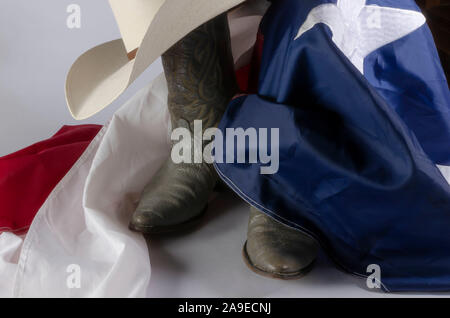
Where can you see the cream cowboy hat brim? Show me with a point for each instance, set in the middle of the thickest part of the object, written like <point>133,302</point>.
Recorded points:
<point>102,74</point>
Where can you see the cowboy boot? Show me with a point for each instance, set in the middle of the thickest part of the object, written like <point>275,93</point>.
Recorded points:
<point>276,250</point>
<point>201,82</point>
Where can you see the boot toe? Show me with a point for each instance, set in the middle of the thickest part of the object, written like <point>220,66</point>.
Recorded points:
<point>162,216</point>
<point>282,262</point>
<point>141,221</point>
<point>278,251</point>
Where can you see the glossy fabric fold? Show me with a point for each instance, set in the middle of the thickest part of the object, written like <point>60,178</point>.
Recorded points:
<point>352,167</point>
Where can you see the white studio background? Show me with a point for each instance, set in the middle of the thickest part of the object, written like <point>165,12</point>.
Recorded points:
<point>37,49</point>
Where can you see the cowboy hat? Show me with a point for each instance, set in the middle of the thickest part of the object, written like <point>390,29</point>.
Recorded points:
<point>148,28</point>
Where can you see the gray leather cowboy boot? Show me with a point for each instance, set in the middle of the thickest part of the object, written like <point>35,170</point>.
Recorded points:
<point>201,81</point>
<point>275,250</point>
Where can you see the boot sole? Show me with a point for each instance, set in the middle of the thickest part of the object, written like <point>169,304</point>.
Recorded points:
<point>171,228</point>
<point>280,276</point>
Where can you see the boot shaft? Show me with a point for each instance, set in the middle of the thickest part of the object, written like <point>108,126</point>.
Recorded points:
<point>200,74</point>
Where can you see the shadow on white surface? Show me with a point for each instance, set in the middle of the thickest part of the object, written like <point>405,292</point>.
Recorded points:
<point>206,262</point>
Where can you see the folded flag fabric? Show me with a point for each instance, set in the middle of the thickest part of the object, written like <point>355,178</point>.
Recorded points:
<point>79,244</point>
<point>359,98</point>
<point>28,176</point>
<point>82,227</point>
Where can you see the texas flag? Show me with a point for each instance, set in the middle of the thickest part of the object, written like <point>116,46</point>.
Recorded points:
<point>29,176</point>
<point>358,95</point>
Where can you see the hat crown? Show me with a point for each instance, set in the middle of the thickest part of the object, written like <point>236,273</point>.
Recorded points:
<point>133,18</point>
